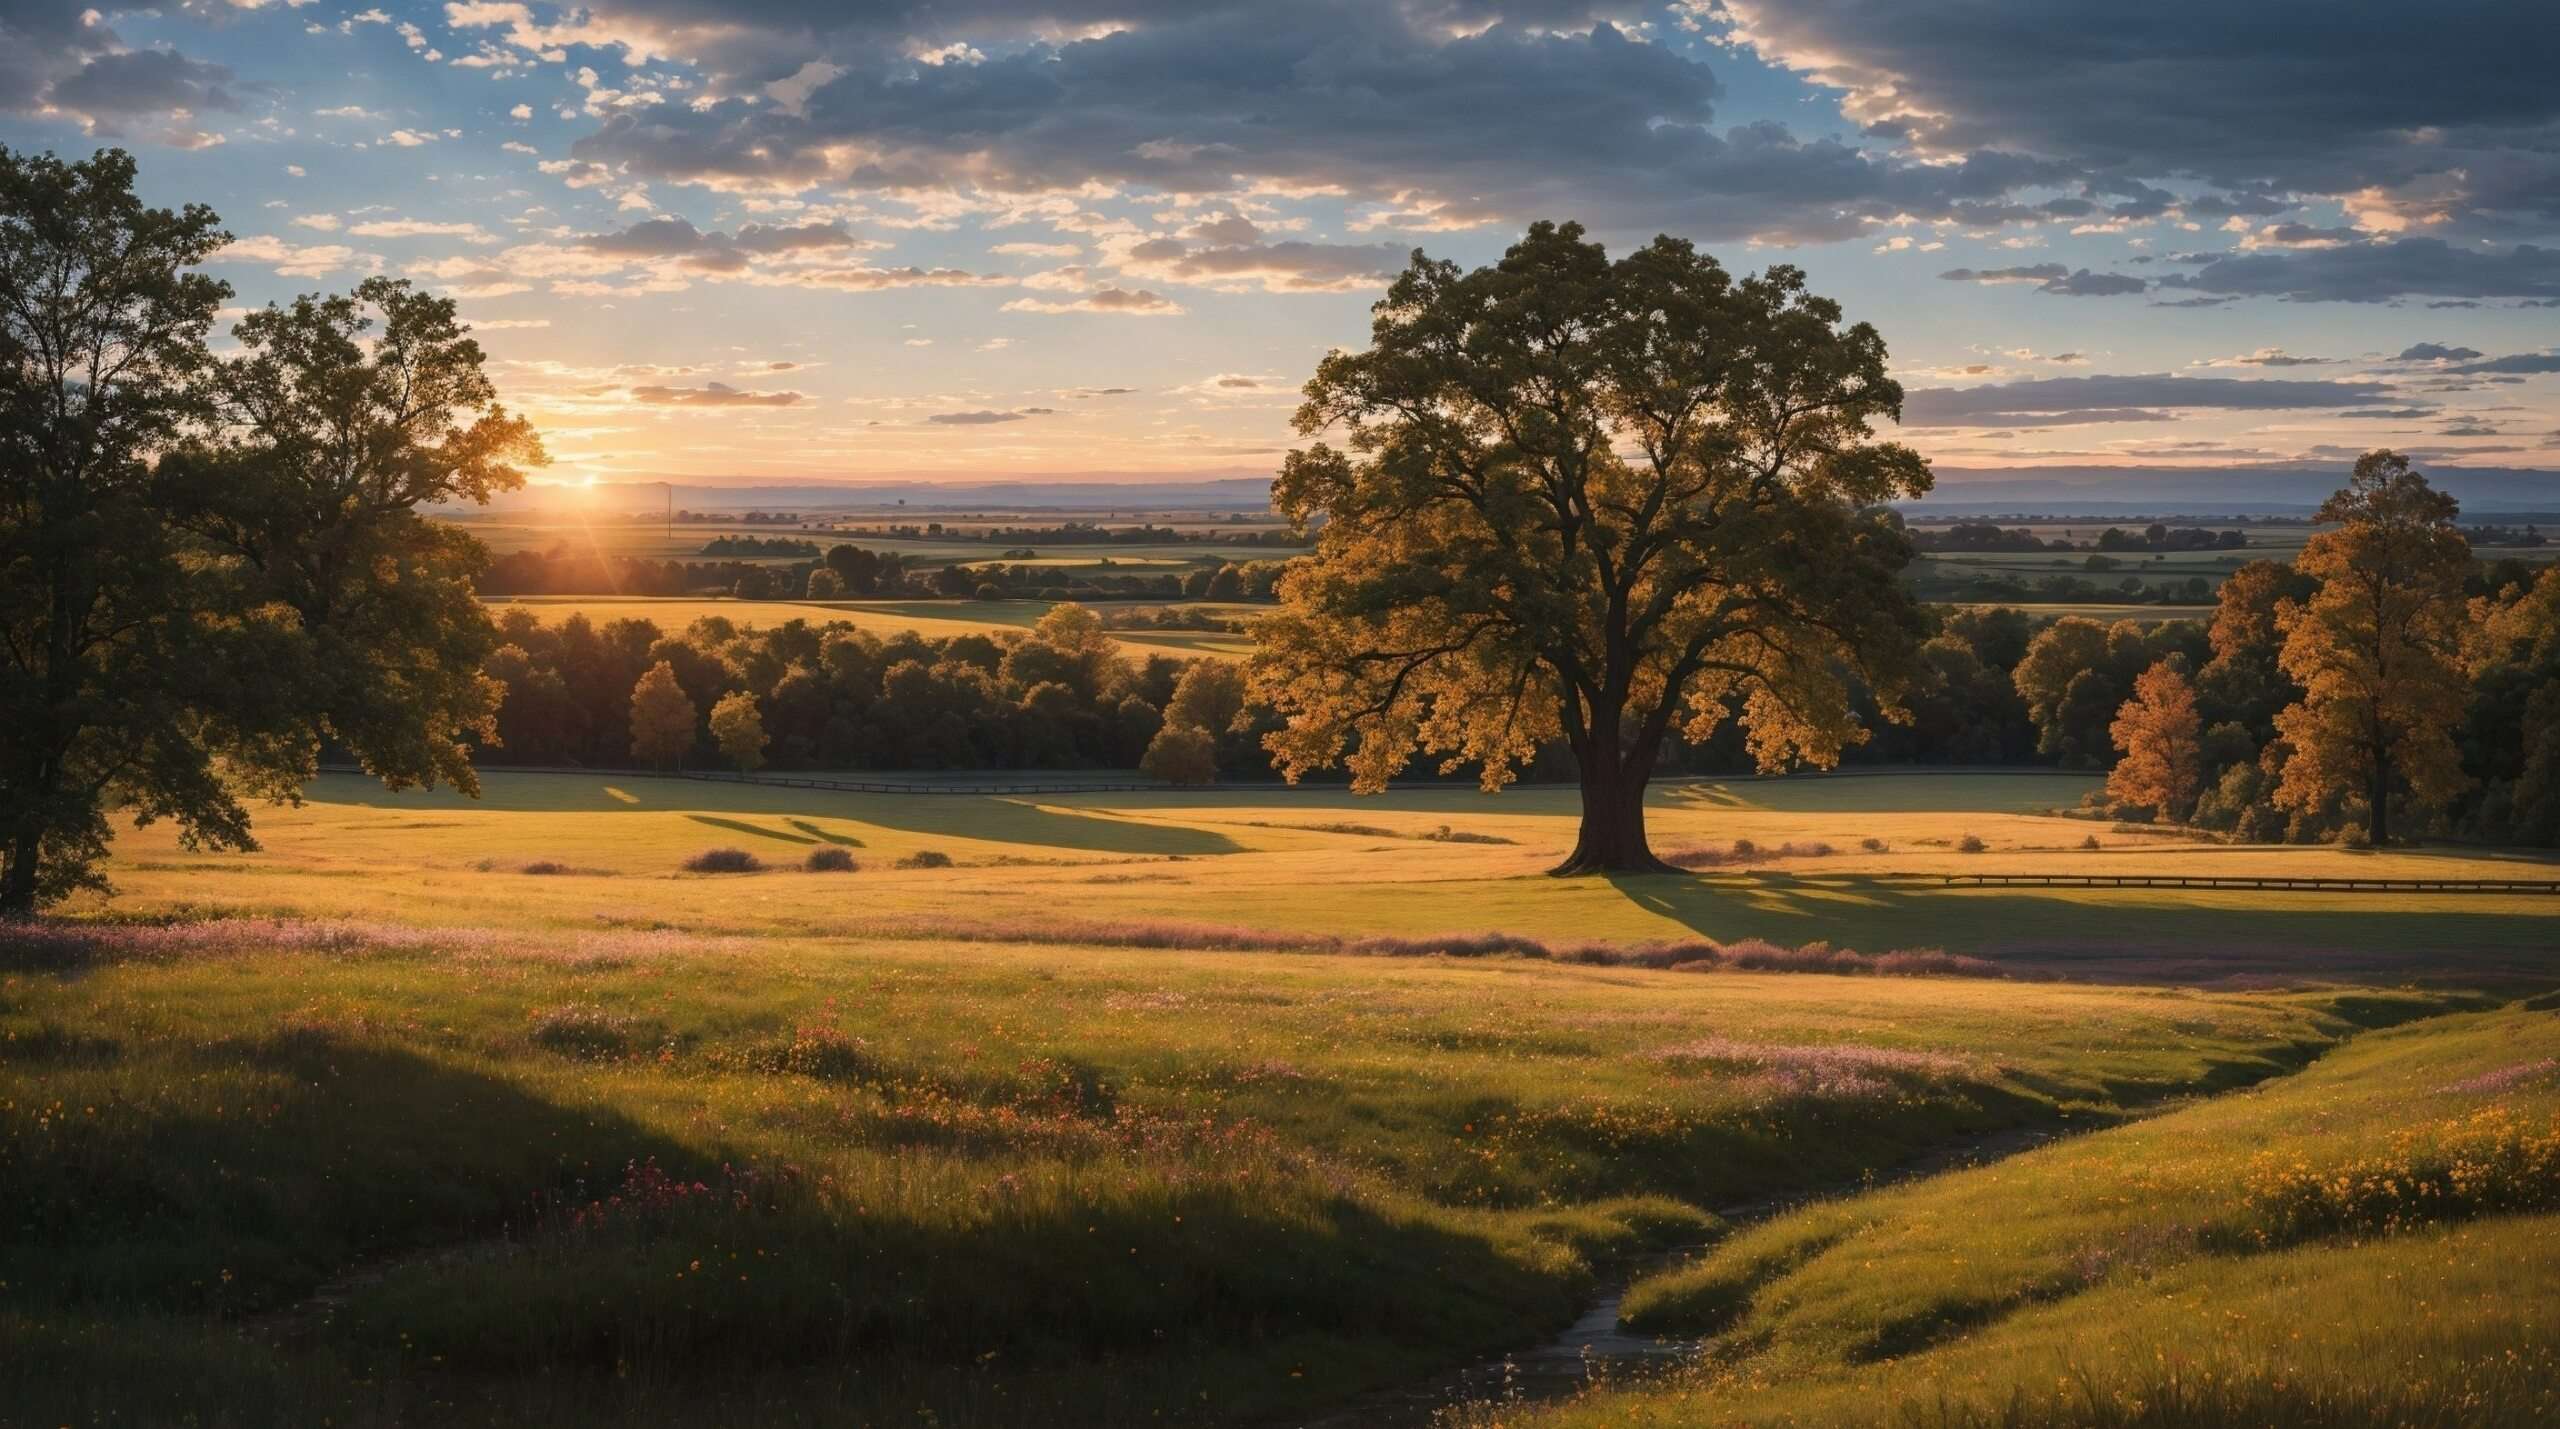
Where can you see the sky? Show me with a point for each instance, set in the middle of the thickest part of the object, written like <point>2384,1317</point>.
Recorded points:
<point>810,239</point>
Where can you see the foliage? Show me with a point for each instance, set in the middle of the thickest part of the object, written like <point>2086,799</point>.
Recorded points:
<point>1181,754</point>
<point>2377,649</point>
<point>739,731</point>
<point>1595,502</point>
<point>217,567</point>
<point>2163,763</point>
<point>724,860</point>
<point>662,716</point>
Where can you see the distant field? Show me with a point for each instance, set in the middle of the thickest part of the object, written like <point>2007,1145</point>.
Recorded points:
<point>935,620</point>
<point>1249,857</point>
<point>684,542</point>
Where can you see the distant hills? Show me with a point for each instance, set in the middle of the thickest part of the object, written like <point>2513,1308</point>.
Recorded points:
<point>2291,488</point>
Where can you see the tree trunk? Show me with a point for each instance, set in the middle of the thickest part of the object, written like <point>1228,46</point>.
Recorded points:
<point>18,890</point>
<point>1612,838</point>
<point>2378,819</point>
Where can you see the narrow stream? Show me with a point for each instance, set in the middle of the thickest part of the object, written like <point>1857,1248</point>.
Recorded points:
<point>1595,1347</point>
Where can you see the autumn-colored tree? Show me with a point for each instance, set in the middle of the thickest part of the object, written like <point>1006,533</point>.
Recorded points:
<point>2162,766</point>
<point>662,717</point>
<point>2242,682</point>
<point>1592,501</point>
<point>1210,696</point>
<point>2376,648</point>
<point>1181,754</point>
<point>737,726</point>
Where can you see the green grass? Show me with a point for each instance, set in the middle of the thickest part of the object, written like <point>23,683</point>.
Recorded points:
<point>1275,1179</point>
<point>2369,1242</point>
<point>373,1127</point>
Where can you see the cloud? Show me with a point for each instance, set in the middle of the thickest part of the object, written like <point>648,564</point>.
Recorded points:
<point>2375,272</point>
<point>2522,362</point>
<point>2271,357</point>
<point>1417,106</point>
<point>1231,251</point>
<point>2150,397</point>
<point>676,237</point>
<point>2053,278</point>
<point>983,419</point>
<point>1141,302</point>
<point>419,228</point>
<point>713,394</point>
<point>2267,107</point>
<point>59,57</point>
<point>295,261</point>
<point>2435,352</point>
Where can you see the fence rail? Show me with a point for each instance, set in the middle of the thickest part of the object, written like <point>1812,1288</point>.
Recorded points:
<point>2277,884</point>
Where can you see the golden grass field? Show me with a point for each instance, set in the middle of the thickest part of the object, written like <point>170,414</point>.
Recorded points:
<point>934,620</point>
<point>1212,1107</point>
<point>1251,857</point>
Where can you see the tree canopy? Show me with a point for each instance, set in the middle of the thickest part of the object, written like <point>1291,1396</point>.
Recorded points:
<point>2376,648</point>
<point>212,569</point>
<point>1596,501</point>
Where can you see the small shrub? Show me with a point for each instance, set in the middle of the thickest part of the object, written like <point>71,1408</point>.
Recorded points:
<point>829,860</point>
<point>926,858</point>
<point>1873,845</point>
<point>723,860</point>
<point>2353,836</point>
<point>1744,849</point>
<point>1970,844</point>
<point>582,1029</point>
<point>2091,843</point>
<point>1447,835</point>
<point>544,866</point>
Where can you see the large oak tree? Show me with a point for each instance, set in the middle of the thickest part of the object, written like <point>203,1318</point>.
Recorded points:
<point>1596,501</point>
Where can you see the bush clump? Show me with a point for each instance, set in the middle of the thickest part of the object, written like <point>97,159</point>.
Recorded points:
<point>1873,845</point>
<point>829,860</point>
<point>723,860</point>
<point>1970,844</point>
<point>926,858</point>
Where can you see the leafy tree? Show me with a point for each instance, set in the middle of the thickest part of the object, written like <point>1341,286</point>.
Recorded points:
<point>113,680</point>
<point>2046,676</point>
<point>824,584</point>
<point>342,417</point>
<point>2375,648</point>
<point>738,728</point>
<point>2162,766</point>
<point>1181,754</point>
<point>2242,681</point>
<point>662,717</point>
<point>1596,501</point>
<point>1210,696</point>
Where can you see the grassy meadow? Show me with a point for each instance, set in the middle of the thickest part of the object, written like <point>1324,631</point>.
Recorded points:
<point>1232,1106</point>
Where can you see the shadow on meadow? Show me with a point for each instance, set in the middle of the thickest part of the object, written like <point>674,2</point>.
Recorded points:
<point>986,818</point>
<point>2177,937</point>
<point>271,1165</point>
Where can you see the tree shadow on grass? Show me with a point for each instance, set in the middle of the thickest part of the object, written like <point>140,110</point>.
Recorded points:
<point>2146,936</point>
<point>825,835</point>
<point>365,1153</point>
<point>742,826</point>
